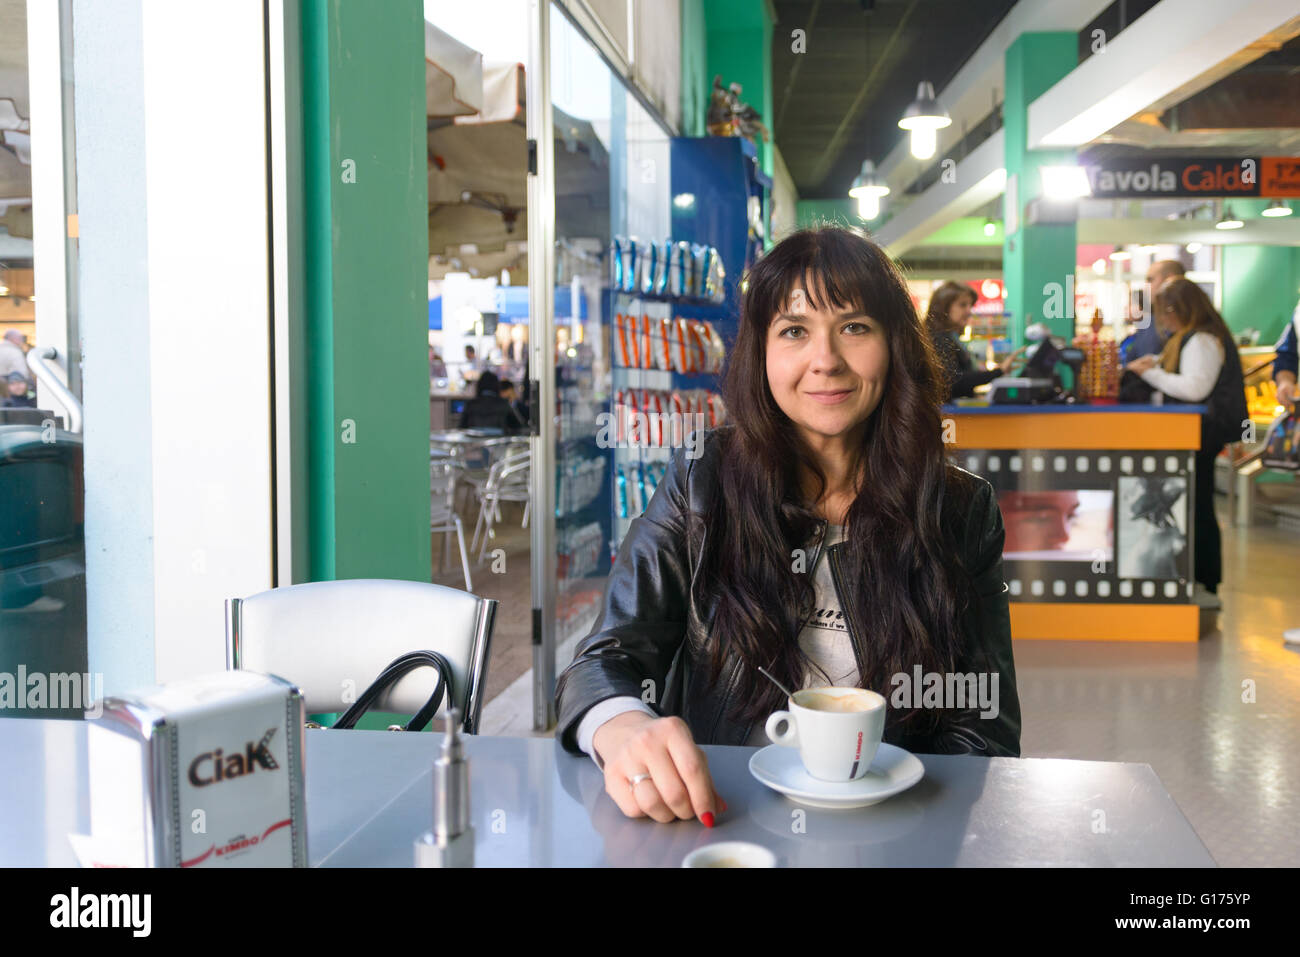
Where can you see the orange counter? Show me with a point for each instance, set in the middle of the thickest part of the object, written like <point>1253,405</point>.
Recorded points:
<point>1097,505</point>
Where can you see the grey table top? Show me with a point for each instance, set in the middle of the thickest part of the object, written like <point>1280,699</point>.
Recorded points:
<point>369,795</point>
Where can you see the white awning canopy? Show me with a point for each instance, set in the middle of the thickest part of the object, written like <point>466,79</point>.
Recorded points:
<point>459,85</point>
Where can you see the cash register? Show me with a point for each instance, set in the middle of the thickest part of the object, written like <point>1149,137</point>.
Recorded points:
<point>1038,382</point>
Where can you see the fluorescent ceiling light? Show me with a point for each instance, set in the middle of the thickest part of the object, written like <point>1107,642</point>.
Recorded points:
<point>1065,182</point>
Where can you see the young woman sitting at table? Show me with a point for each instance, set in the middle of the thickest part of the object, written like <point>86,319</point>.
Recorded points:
<point>822,536</point>
<point>1199,364</point>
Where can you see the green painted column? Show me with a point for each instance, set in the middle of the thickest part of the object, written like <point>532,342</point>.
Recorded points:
<point>1034,257</point>
<point>366,281</point>
<point>739,48</point>
<point>696,78</point>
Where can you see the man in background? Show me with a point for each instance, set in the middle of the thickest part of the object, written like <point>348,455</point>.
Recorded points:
<point>15,395</point>
<point>13,355</point>
<point>1148,340</point>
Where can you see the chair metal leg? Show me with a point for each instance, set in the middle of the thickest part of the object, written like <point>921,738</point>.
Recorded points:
<point>464,559</point>
<point>482,509</point>
<point>487,528</point>
<point>527,505</point>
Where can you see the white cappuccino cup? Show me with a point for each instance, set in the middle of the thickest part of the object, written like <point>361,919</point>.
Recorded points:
<point>837,730</point>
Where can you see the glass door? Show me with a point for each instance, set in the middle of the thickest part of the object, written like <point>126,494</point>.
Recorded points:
<point>42,542</point>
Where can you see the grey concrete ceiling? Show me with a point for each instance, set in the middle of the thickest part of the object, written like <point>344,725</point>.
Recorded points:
<point>839,102</point>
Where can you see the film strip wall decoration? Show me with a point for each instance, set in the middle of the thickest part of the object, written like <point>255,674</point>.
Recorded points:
<point>1085,525</point>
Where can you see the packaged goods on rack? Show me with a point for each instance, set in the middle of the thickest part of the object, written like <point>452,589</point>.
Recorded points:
<point>637,482</point>
<point>668,269</point>
<point>579,551</point>
<point>671,344</point>
<point>579,484</point>
<point>654,418</point>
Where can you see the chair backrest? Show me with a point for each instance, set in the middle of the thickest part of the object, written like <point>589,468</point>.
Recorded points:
<point>332,639</point>
<point>511,470</point>
<point>442,488</point>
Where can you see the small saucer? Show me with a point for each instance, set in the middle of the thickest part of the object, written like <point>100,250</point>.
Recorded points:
<point>893,770</point>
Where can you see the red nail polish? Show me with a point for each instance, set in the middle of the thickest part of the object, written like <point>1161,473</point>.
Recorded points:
<point>707,818</point>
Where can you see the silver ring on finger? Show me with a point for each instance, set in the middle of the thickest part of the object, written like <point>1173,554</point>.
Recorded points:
<point>636,779</point>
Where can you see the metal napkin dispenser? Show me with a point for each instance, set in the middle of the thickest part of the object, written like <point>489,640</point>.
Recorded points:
<point>206,772</point>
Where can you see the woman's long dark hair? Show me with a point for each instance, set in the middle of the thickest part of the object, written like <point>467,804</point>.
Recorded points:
<point>904,587</point>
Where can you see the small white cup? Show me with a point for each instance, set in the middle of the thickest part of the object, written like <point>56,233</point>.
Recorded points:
<point>833,745</point>
<point>730,854</point>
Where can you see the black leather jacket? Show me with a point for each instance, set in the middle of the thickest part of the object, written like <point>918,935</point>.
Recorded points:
<point>651,629</point>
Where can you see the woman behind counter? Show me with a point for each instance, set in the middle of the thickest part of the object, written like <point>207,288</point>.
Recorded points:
<point>949,312</point>
<point>1199,364</point>
<point>822,535</point>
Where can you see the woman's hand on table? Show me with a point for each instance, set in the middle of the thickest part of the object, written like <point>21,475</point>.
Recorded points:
<point>679,785</point>
<point>1141,364</point>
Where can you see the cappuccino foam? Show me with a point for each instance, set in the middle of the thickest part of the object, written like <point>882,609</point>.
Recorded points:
<point>819,701</point>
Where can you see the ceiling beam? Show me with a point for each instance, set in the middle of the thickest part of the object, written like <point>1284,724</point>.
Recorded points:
<point>1162,51</point>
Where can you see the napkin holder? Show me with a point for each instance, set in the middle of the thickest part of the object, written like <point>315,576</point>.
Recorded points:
<point>206,772</point>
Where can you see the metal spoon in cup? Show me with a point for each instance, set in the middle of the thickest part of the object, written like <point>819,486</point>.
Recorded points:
<point>775,682</point>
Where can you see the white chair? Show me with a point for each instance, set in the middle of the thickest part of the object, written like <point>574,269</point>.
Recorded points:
<point>332,639</point>
<point>443,519</point>
<point>508,482</point>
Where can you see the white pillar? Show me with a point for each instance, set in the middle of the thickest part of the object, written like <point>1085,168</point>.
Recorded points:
<point>176,328</point>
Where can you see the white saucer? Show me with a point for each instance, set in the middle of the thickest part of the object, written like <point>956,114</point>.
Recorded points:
<point>893,770</point>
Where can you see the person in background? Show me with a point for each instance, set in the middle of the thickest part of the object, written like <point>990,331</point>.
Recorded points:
<point>15,393</point>
<point>13,355</point>
<point>437,368</point>
<point>1285,368</point>
<point>1148,338</point>
<point>1199,363</point>
<point>519,415</point>
<point>949,313</point>
<point>489,409</point>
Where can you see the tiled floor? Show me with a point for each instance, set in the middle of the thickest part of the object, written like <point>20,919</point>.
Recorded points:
<point>1219,720</point>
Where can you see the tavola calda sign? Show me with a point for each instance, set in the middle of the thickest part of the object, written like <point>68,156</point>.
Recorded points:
<point>1265,177</point>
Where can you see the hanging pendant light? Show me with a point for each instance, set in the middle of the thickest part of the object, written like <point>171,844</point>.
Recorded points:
<point>1276,208</point>
<point>867,190</point>
<point>1228,221</point>
<point>924,117</point>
